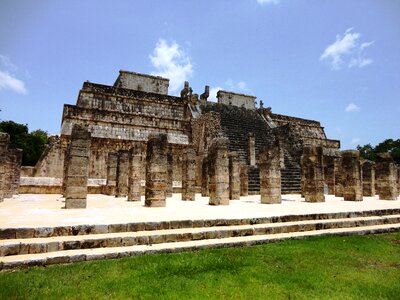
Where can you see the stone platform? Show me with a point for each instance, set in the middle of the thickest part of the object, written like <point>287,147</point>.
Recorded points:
<point>36,230</point>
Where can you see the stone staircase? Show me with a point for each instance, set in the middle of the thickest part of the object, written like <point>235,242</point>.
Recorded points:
<point>236,124</point>
<point>26,247</point>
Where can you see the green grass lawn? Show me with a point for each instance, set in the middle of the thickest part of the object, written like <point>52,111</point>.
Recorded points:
<point>356,267</point>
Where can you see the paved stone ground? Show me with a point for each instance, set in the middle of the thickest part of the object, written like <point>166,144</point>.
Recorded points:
<point>35,210</point>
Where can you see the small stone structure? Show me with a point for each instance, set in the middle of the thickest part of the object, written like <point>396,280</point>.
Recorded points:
<point>205,191</point>
<point>76,169</point>
<point>240,100</point>
<point>218,170</point>
<point>368,177</point>
<point>122,173</point>
<point>234,176</point>
<point>156,171</point>
<point>135,171</point>
<point>313,174</point>
<point>386,177</point>
<point>351,175</point>
<point>112,163</point>
<point>189,174</point>
<point>244,179</point>
<point>270,175</point>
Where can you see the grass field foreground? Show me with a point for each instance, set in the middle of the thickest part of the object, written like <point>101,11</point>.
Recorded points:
<point>351,267</point>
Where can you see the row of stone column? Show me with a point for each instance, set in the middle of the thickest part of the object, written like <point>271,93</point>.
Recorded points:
<point>10,167</point>
<point>347,176</point>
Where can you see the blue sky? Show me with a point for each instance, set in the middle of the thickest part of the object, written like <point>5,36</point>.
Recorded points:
<point>337,62</point>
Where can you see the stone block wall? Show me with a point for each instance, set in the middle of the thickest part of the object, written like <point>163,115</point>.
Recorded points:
<point>76,168</point>
<point>352,175</point>
<point>239,100</point>
<point>218,171</point>
<point>386,177</point>
<point>156,171</point>
<point>142,82</point>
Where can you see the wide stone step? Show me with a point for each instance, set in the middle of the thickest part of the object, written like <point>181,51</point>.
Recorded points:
<point>122,239</point>
<point>70,256</point>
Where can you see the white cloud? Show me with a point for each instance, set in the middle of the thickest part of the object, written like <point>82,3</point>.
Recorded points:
<point>6,62</point>
<point>213,93</point>
<point>239,85</point>
<point>9,82</point>
<point>352,108</point>
<point>355,141</point>
<point>262,2</point>
<point>171,61</point>
<point>347,49</point>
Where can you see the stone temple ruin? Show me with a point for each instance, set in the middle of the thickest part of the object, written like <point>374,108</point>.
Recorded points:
<point>133,139</point>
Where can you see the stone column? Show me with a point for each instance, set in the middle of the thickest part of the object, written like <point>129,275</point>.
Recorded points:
<point>244,179</point>
<point>398,179</point>
<point>368,178</point>
<point>189,174</point>
<point>122,173</point>
<point>4,141</point>
<point>135,171</point>
<point>112,163</point>
<point>270,175</point>
<point>329,173</point>
<point>78,167</point>
<point>386,177</point>
<point>351,175</point>
<point>312,172</point>
<point>234,176</point>
<point>170,171</point>
<point>252,149</point>
<point>204,178</point>
<point>218,170</point>
<point>17,171</point>
<point>338,177</point>
<point>156,171</point>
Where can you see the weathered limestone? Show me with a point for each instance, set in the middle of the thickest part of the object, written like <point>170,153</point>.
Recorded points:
<point>252,149</point>
<point>76,171</point>
<point>122,173</point>
<point>270,175</point>
<point>351,175</point>
<point>135,171</point>
<point>170,171</point>
<point>234,176</point>
<point>4,140</point>
<point>244,179</point>
<point>189,174</point>
<point>205,192</point>
<point>312,171</point>
<point>386,177</point>
<point>112,163</point>
<point>329,173</point>
<point>218,170</point>
<point>156,171</point>
<point>368,178</point>
<point>13,160</point>
<point>338,177</point>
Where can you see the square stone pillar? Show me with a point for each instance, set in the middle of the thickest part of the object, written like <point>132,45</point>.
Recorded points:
<point>205,192</point>
<point>351,175</point>
<point>244,179</point>
<point>4,141</point>
<point>189,174</point>
<point>270,175</point>
<point>135,171</point>
<point>368,178</point>
<point>170,171</point>
<point>122,173</point>
<point>13,170</point>
<point>77,170</point>
<point>252,149</point>
<point>386,177</point>
<point>111,184</point>
<point>16,171</point>
<point>329,173</point>
<point>156,171</point>
<point>338,177</point>
<point>312,172</point>
<point>234,176</point>
<point>218,170</point>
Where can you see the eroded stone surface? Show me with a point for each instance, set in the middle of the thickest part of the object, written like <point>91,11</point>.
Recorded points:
<point>234,176</point>
<point>135,171</point>
<point>270,175</point>
<point>386,177</point>
<point>351,175</point>
<point>218,170</point>
<point>368,176</point>
<point>313,174</point>
<point>189,174</point>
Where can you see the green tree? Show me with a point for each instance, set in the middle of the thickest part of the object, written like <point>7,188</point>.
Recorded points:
<point>32,144</point>
<point>388,145</point>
